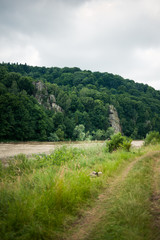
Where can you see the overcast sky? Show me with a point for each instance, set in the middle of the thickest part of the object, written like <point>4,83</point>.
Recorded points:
<point>116,36</point>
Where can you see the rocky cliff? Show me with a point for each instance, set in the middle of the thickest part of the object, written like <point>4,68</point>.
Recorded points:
<point>44,98</point>
<point>114,119</point>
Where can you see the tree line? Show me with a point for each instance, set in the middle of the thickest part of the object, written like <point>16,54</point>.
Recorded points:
<point>84,98</point>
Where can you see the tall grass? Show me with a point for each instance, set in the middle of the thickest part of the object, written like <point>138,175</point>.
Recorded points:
<point>128,214</point>
<point>40,196</point>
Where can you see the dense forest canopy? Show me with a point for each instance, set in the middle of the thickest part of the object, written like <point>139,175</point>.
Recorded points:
<point>40,103</point>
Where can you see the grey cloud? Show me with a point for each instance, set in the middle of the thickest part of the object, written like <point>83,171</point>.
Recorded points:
<point>119,36</point>
<point>32,17</point>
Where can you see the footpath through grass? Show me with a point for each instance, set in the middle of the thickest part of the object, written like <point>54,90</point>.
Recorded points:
<point>41,196</point>
<point>129,209</point>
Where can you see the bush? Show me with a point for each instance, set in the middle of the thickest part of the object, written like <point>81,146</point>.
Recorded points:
<point>58,157</point>
<point>152,138</point>
<point>118,141</point>
<point>53,137</point>
<point>109,132</point>
<point>79,132</point>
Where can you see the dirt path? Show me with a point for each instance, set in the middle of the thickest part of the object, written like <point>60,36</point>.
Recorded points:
<point>156,200</point>
<point>86,224</point>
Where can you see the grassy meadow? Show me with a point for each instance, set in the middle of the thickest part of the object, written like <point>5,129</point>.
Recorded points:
<point>41,196</point>
<point>129,214</point>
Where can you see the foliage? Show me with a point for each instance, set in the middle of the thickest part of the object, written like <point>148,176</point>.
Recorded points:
<point>128,214</point>
<point>99,134</point>
<point>27,112</point>
<point>42,194</point>
<point>109,132</point>
<point>79,133</point>
<point>118,141</point>
<point>152,138</point>
<point>53,137</point>
<point>59,157</point>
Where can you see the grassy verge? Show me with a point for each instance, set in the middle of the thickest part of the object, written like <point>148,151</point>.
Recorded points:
<point>128,214</point>
<point>40,196</point>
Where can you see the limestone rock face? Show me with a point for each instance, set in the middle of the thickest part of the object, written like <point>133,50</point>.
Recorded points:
<point>52,99</point>
<point>46,99</point>
<point>41,92</point>
<point>56,107</point>
<point>114,119</point>
<point>39,85</point>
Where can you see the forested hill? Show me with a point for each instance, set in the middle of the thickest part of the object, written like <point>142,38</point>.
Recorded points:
<point>38,103</point>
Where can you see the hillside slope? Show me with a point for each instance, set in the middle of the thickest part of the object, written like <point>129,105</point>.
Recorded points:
<point>38,103</point>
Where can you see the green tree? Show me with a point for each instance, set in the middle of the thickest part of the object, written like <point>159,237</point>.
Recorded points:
<point>79,132</point>
<point>152,138</point>
<point>60,134</point>
<point>109,132</point>
<point>53,137</point>
<point>99,134</point>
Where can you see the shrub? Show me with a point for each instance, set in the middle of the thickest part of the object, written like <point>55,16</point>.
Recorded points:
<point>109,132</point>
<point>118,141</point>
<point>53,137</point>
<point>79,132</point>
<point>59,157</point>
<point>152,138</point>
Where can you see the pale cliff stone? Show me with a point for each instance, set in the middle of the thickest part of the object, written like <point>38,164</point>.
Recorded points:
<point>114,119</point>
<point>56,107</point>
<point>39,85</point>
<point>52,98</point>
<point>43,98</point>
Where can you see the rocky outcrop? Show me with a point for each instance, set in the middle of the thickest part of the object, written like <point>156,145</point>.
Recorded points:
<point>44,98</point>
<point>56,107</point>
<point>39,85</point>
<point>52,99</point>
<point>114,119</point>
